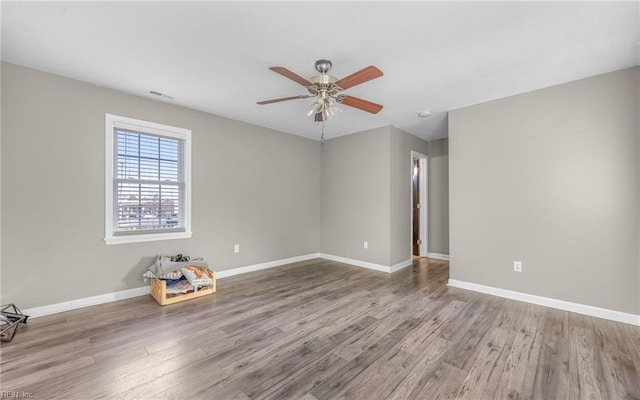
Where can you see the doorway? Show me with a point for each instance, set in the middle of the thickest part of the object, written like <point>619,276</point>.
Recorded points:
<point>419,205</point>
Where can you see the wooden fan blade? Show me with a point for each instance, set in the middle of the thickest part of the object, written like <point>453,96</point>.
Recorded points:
<point>302,96</point>
<point>360,104</point>
<point>362,76</point>
<point>291,75</point>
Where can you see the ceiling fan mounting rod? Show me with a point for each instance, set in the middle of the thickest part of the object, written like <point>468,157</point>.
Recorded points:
<point>323,66</point>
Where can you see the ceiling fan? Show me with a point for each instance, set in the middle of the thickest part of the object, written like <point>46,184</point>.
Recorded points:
<point>327,90</point>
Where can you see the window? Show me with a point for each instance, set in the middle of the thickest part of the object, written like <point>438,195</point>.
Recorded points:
<point>148,183</point>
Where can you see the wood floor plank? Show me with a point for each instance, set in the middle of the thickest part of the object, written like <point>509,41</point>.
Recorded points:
<point>56,353</point>
<point>321,330</point>
<point>431,327</point>
<point>380,378</point>
<point>419,374</point>
<point>585,382</point>
<point>506,393</point>
<point>442,384</point>
<point>553,375</point>
<point>618,370</point>
<point>483,376</point>
<point>336,383</point>
<point>468,335</point>
<point>264,374</point>
<point>355,345</point>
<point>27,382</point>
<point>520,369</point>
<point>301,381</point>
<point>116,381</point>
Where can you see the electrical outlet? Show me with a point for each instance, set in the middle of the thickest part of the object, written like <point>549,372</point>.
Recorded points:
<point>236,248</point>
<point>366,244</point>
<point>517,266</point>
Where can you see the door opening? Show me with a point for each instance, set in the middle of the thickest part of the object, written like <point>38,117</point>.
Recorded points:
<point>419,205</point>
<point>415,241</point>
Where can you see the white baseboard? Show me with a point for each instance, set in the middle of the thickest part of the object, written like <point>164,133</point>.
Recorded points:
<point>401,265</point>
<point>438,256</point>
<point>368,265</point>
<point>591,311</point>
<point>357,263</point>
<point>85,302</point>
<point>141,291</point>
<point>257,267</point>
<point>144,290</point>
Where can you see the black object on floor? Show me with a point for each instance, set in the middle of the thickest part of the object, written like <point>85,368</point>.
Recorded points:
<point>11,318</point>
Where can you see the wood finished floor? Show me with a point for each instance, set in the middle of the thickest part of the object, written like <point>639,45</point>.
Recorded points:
<point>320,330</point>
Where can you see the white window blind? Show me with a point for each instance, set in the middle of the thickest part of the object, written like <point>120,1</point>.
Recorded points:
<point>147,181</point>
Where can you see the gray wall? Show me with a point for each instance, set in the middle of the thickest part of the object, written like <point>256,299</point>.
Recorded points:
<point>551,178</point>
<point>355,196</point>
<point>245,191</point>
<point>402,144</point>
<point>1,298</point>
<point>439,196</point>
<point>366,195</point>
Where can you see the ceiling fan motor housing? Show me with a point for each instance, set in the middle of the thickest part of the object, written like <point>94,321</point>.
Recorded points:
<point>324,83</point>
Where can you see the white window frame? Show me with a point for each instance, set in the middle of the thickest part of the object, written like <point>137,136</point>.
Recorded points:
<point>113,121</point>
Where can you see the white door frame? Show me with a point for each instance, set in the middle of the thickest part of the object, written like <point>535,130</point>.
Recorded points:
<point>424,203</point>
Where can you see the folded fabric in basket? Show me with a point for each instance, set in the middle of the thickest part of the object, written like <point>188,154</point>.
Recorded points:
<point>164,268</point>
<point>197,276</point>
<point>165,265</point>
<point>179,286</point>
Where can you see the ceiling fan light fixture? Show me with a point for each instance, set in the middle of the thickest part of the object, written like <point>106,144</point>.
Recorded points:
<point>323,109</point>
<point>314,108</point>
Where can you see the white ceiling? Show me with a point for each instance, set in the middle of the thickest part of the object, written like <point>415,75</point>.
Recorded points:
<point>214,56</point>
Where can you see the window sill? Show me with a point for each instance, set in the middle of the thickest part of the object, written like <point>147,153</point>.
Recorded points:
<point>147,238</point>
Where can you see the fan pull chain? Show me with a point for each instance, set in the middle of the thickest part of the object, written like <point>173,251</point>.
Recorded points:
<point>322,136</point>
